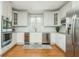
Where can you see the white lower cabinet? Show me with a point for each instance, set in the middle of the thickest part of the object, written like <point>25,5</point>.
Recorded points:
<point>14,37</point>
<point>52,38</point>
<point>55,38</point>
<point>35,38</point>
<point>20,38</point>
<point>59,40</point>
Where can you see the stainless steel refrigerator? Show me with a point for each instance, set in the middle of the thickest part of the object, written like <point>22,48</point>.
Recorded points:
<point>72,33</point>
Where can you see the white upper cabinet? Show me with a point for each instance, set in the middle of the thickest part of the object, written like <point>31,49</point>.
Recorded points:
<point>15,18</point>
<point>7,10</point>
<point>20,18</point>
<point>48,18</point>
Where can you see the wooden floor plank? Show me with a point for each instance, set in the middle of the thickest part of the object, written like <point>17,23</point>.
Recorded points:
<point>19,51</point>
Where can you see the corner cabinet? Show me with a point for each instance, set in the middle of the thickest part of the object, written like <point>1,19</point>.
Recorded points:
<point>50,18</point>
<point>20,18</point>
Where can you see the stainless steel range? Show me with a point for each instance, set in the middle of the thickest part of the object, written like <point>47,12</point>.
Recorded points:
<point>6,39</point>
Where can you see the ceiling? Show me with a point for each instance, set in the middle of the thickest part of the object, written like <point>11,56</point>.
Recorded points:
<point>38,6</point>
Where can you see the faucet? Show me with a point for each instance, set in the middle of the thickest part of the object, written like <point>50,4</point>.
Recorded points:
<point>35,29</point>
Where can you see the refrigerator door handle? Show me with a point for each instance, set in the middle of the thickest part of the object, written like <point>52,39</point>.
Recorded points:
<point>73,31</point>
<point>75,34</point>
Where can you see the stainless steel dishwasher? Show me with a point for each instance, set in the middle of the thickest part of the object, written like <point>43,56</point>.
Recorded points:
<point>46,38</point>
<point>26,40</point>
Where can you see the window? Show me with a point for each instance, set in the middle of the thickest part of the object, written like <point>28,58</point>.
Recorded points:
<point>36,22</point>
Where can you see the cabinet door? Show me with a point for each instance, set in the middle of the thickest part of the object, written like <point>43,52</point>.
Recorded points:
<point>61,41</point>
<point>20,38</point>
<point>14,37</point>
<point>35,38</point>
<point>55,18</point>
<point>48,18</point>
<point>15,18</point>
<point>52,38</point>
<point>22,18</point>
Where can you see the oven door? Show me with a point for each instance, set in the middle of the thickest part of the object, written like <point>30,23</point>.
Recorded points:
<point>6,39</point>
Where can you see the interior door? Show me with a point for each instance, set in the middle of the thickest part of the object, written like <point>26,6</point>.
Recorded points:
<point>77,37</point>
<point>69,39</point>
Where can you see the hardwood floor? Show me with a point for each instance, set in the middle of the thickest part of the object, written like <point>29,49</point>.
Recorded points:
<point>19,51</point>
